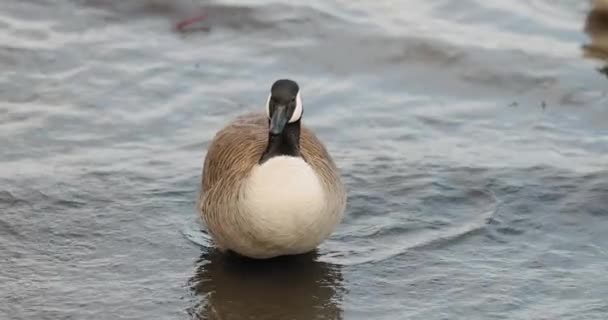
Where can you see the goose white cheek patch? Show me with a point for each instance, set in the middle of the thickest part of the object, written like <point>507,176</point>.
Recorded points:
<point>268,106</point>
<point>297,113</point>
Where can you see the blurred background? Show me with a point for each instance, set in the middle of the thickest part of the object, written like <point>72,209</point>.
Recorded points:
<point>472,136</point>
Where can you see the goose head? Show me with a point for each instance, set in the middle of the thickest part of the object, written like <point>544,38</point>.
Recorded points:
<point>284,110</point>
<point>284,105</point>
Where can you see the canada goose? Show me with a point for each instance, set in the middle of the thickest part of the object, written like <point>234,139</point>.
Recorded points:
<point>269,186</point>
<point>596,26</point>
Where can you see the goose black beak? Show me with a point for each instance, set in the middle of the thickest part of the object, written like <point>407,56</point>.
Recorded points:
<point>279,120</point>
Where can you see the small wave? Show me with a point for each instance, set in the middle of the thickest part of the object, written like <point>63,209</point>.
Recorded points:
<point>7,199</point>
<point>196,233</point>
<point>336,251</point>
<point>235,17</point>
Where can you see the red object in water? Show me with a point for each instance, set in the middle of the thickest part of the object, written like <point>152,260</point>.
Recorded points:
<point>188,22</point>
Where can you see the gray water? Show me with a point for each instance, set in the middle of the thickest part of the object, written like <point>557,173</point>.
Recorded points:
<point>472,136</point>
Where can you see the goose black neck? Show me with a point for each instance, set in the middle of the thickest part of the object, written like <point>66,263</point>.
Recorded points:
<point>285,144</point>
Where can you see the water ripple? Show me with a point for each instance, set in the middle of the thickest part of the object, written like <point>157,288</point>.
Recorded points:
<point>471,135</point>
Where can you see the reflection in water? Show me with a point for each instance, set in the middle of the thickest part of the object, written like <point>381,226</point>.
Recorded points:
<point>231,287</point>
<point>596,26</point>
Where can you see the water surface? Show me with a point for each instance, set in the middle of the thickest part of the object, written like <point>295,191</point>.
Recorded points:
<point>472,136</point>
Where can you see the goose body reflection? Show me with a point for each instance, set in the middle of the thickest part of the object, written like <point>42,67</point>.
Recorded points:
<point>299,288</point>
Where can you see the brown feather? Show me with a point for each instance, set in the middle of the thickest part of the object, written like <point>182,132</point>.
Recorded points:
<point>596,22</point>
<point>596,26</point>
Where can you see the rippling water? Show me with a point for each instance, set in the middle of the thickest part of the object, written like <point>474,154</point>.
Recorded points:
<point>472,135</point>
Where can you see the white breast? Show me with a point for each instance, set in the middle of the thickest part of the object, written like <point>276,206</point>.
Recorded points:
<point>285,205</point>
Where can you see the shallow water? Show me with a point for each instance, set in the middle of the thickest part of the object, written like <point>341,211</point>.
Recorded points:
<point>472,136</point>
